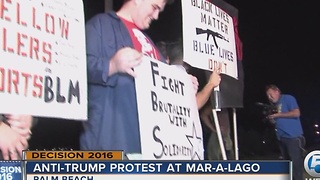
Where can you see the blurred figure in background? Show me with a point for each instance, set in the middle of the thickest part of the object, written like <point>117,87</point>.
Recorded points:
<point>213,150</point>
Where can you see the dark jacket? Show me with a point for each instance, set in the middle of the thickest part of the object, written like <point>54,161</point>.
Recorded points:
<point>112,107</point>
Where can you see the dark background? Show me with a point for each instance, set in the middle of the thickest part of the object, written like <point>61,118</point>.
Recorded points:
<point>280,46</point>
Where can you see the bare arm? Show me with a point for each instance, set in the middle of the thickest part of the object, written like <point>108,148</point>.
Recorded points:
<point>204,94</point>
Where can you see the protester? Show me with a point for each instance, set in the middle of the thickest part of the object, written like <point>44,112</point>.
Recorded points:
<point>288,128</point>
<point>174,53</point>
<point>115,43</point>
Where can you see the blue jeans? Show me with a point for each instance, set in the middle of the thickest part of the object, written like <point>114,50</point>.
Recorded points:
<point>292,149</point>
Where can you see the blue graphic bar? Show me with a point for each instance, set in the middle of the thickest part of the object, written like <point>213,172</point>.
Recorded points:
<point>10,170</point>
<point>158,167</point>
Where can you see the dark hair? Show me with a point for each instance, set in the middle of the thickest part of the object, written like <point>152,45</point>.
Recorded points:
<point>162,46</point>
<point>172,50</point>
<point>175,52</point>
<point>273,87</point>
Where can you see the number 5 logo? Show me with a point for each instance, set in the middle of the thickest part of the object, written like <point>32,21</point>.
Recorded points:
<point>312,163</point>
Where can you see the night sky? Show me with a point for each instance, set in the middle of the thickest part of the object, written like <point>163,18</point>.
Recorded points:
<point>280,46</point>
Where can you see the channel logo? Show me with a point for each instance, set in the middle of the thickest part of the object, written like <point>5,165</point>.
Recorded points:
<point>312,163</point>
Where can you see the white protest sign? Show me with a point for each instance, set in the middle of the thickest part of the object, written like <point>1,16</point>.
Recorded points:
<point>43,58</point>
<point>170,128</point>
<point>208,37</point>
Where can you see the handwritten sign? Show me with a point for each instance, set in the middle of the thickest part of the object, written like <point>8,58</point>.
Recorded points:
<point>170,128</point>
<point>208,37</point>
<point>43,59</point>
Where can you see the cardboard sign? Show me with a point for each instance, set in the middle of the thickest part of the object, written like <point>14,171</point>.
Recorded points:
<point>208,37</point>
<point>170,127</point>
<point>43,58</point>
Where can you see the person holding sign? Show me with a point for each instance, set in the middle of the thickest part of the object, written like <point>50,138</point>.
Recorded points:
<point>174,53</point>
<point>115,44</point>
<point>15,131</point>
